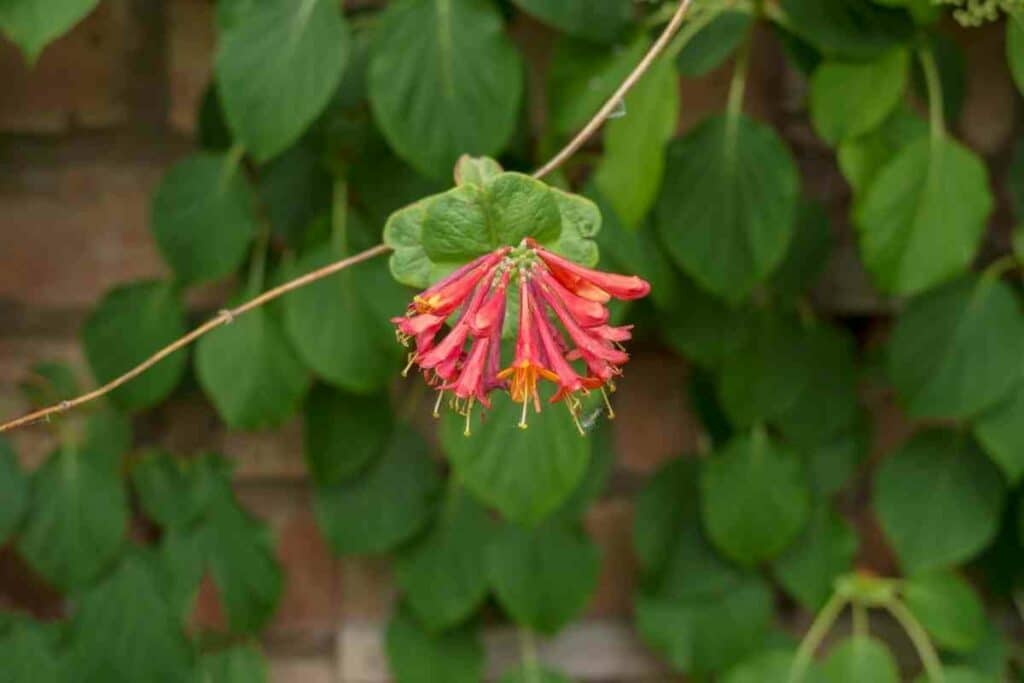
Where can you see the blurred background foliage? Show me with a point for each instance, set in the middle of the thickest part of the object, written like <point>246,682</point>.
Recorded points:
<point>319,124</point>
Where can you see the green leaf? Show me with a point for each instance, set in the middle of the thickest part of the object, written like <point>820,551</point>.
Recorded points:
<point>240,553</point>
<point>32,24</point>
<point>708,634</point>
<point>861,159</point>
<point>861,658</point>
<point>921,220</point>
<point>339,325</point>
<point>764,378</point>
<point>526,474</point>
<point>359,516</point>
<point>714,43</point>
<point>277,67</point>
<point>771,666</point>
<point>238,664</point>
<point>416,656</point>
<point>960,674</point>
<point>444,574</point>
<point>630,173</point>
<point>832,464</point>
<point>49,383</point>
<point>444,81</point>
<point>598,20</point>
<point>344,433</point>
<point>76,519</point>
<point>131,323</point>
<point>1015,52</point>
<point>1000,431</point>
<point>14,491</point>
<point>295,187</point>
<point>203,217</point>
<point>124,631</point>
<point>808,252</point>
<point>704,328</point>
<point>526,674</point>
<point>957,351</point>
<point>849,29</point>
<point>938,500</point>
<point>583,76</point>
<point>728,204</point>
<point>754,498</point>
<point>250,372</point>
<point>176,492</point>
<point>543,577</point>
<point>951,64</point>
<point>849,99</point>
<point>29,652</point>
<point>664,508</point>
<point>948,608</point>
<point>825,551</point>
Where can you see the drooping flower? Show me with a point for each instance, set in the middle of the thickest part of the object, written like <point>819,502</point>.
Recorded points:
<point>562,320</point>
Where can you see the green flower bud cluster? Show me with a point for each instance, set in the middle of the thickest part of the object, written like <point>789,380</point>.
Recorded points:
<point>977,12</point>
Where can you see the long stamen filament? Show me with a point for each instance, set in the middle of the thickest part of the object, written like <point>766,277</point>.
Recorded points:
<point>608,404</point>
<point>522,418</point>
<point>437,404</point>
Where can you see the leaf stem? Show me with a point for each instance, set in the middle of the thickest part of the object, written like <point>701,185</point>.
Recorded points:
<point>231,161</point>
<point>815,634</point>
<point>919,637</point>
<point>528,648</point>
<point>339,216</point>
<point>933,84</point>
<point>738,85</point>
<point>609,106</point>
<point>223,318</point>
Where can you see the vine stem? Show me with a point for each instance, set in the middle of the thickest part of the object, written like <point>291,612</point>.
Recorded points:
<point>918,636</point>
<point>235,156</point>
<point>223,318</point>
<point>815,634</point>
<point>605,111</point>
<point>933,83</point>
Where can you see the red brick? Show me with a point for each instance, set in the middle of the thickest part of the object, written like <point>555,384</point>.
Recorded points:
<point>72,233</point>
<point>610,524</point>
<point>367,590</point>
<point>79,79</point>
<point>304,670</point>
<point>312,597</point>
<point>191,38</point>
<point>989,112</point>
<point>653,421</point>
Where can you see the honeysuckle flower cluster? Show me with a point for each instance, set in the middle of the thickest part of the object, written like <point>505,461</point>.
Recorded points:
<point>563,335</point>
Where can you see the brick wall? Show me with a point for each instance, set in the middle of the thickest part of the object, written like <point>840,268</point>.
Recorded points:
<point>84,138</point>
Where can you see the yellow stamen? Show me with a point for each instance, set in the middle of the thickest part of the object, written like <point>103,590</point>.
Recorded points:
<point>575,418</point>
<point>522,418</point>
<point>437,404</point>
<point>412,361</point>
<point>608,404</point>
<point>469,416</point>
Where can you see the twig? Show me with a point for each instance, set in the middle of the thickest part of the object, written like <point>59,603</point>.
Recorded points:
<point>223,318</point>
<point>604,112</point>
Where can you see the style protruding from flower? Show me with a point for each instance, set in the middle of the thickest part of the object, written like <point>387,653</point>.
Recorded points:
<point>562,336</point>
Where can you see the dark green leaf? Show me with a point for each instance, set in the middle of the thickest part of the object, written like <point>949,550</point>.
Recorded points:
<point>921,220</point>
<point>728,204</point>
<point>360,515</point>
<point>444,81</point>
<point>277,67</point>
<point>704,328</point>
<point>444,574</point>
<point>543,577</point>
<point>598,20</point>
<point>76,518</point>
<point>754,499</point>
<point>825,551</point>
<point>630,173</point>
<point>344,433</point>
<point>771,666</point>
<point>14,491</point>
<point>960,674</point>
<point>831,465</point>
<point>1015,51</point>
<point>861,159</point>
<point>939,500</point>
<point>714,43</point>
<point>664,508</point>
<point>952,67</point>
<point>948,608</point>
<point>131,323</point>
<point>203,217</point>
<point>416,656</point>
<point>525,674</point>
<point>250,372</point>
<point>31,24</point>
<point>526,474</point>
<point>175,492</point>
<point>1000,431</point>
<point>850,29</point>
<point>808,252</point>
<point>849,99</point>
<point>339,325</point>
<point>239,664</point>
<point>29,652</point>
<point>295,188</point>
<point>859,659</point>
<point>123,630</point>
<point>957,351</point>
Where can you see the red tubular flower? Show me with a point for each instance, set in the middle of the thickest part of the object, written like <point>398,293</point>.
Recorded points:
<point>467,361</point>
<point>527,368</point>
<point>584,281</point>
